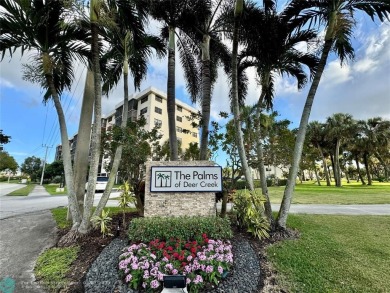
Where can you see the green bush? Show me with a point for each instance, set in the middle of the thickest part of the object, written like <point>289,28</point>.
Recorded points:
<point>249,209</point>
<point>185,228</point>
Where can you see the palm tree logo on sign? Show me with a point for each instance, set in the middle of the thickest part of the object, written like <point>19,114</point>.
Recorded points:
<point>163,179</point>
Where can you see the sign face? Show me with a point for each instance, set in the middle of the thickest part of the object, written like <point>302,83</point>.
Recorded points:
<point>186,179</point>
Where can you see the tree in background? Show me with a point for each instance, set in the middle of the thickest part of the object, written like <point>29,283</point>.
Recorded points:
<point>55,172</point>
<point>32,167</point>
<point>8,164</point>
<point>4,139</point>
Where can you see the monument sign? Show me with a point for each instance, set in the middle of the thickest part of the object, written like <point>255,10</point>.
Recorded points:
<point>179,188</point>
<point>186,179</point>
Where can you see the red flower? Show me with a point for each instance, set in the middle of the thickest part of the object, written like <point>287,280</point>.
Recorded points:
<point>193,249</point>
<point>175,255</point>
<point>183,264</point>
<point>170,248</point>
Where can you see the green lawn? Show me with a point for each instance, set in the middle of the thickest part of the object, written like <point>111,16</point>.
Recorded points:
<point>51,188</point>
<point>353,193</point>
<point>24,191</point>
<point>59,215</point>
<point>335,254</point>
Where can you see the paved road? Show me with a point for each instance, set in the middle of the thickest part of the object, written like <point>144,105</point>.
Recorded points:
<point>6,188</point>
<point>330,209</point>
<point>38,200</point>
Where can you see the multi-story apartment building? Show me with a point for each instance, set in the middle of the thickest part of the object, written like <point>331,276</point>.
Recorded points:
<point>152,104</point>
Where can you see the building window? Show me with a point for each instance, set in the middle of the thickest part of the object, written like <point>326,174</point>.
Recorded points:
<point>179,129</point>
<point>194,134</point>
<point>157,122</point>
<point>158,110</point>
<point>158,99</point>
<point>179,108</point>
<point>144,99</point>
<point>144,111</point>
<point>178,118</point>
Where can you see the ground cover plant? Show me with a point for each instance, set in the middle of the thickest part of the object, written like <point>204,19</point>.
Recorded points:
<point>53,265</point>
<point>24,191</point>
<point>334,254</point>
<point>352,193</point>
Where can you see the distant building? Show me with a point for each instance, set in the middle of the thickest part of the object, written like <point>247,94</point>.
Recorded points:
<point>152,104</point>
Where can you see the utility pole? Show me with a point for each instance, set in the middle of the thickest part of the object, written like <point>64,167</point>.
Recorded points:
<point>44,162</point>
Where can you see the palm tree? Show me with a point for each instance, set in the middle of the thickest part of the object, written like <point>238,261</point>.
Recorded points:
<point>238,10</point>
<point>270,41</point>
<point>39,26</point>
<point>316,133</point>
<point>96,18</point>
<point>171,13</point>
<point>130,48</point>
<point>338,18</point>
<point>338,128</point>
<point>203,25</point>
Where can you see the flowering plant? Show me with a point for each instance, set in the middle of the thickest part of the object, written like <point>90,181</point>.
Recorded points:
<point>202,261</point>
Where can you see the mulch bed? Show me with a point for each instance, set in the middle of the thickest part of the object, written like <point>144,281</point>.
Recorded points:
<point>92,245</point>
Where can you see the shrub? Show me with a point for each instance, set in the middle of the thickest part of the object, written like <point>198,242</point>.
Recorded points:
<point>186,228</point>
<point>104,222</point>
<point>201,261</point>
<point>249,209</point>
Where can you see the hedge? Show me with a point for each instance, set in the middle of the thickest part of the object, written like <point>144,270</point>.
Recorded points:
<point>185,228</point>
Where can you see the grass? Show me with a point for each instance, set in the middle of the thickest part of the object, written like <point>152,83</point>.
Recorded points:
<point>51,188</point>
<point>334,254</point>
<point>59,215</point>
<point>53,265</point>
<point>24,191</point>
<point>352,193</point>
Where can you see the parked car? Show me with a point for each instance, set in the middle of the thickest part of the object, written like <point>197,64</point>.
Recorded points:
<point>101,183</point>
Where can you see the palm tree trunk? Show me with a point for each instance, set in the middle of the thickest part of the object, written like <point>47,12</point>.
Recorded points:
<point>83,140</point>
<point>325,166</point>
<point>260,158</point>
<point>288,192</point>
<point>333,168</point>
<point>365,160</point>
<point>358,170</point>
<point>66,157</point>
<point>235,104</point>
<point>118,152</point>
<point>96,131</point>
<point>385,167</point>
<point>337,163</point>
<point>171,103</point>
<point>316,173</point>
<point>206,97</point>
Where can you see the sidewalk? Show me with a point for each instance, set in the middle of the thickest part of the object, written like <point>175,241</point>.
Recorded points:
<point>22,239</point>
<point>39,190</point>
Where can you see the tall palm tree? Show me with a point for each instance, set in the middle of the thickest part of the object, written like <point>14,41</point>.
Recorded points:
<point>204,23</point>
<point>338,128</point>
<point>238,10</point>
<point>130,48</point>
<point>97,14</point>
<point>39,26</point>
<point>170,13</point>
<point>337,16</point>
<point>271,39</point>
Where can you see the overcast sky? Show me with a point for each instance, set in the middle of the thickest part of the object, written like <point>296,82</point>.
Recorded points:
<point>361,88</point>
